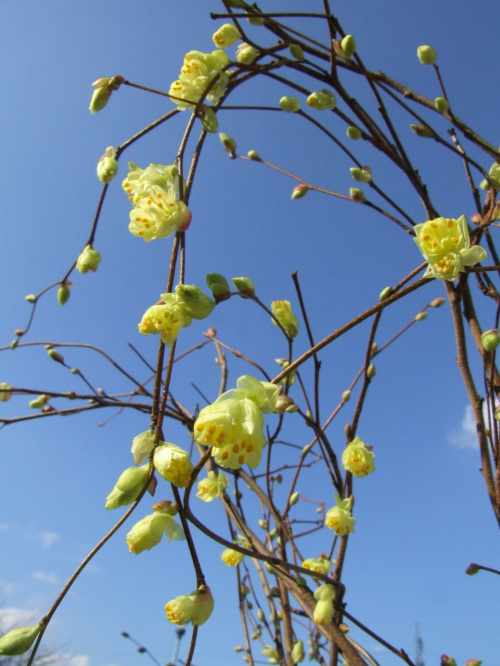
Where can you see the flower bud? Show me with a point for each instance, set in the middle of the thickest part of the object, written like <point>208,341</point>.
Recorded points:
<point>254,155</point>
<point>88,260</point>
<point>447,661</point>
<point>363,175</point>
<point>107,167</point>
<point>173,464</point>
<point>289,104</point>
<point>246,54</point>
<point>228,142</point>
<point>142,445</point>
<point>193,301</point>
<point>283,403</point>
<point>17,641</point>
<point>300,191</point>
<point>208,119</point>
<point>346,396</point>
<point>472,570</point>
<point>441,104</point>
<point>253,19</point>
<point>298,653</point>
<point>245,286</point>
<point>385,293</point>
<point>357,195</point>
<point>239,648</point>
<point>128,487</point>
<point>63,293</point>
<point>195,607</point>
<point>55,356</point>
<point>426,55</point>
<point>473,662</point>
<point>422,131</point>
<point>31,298</point>
<point>348,46</point>
<point>296,52</point>
<point>421,316</point>
<point>219,287</point>
<point>103,89</point>
<point>353,132</point>
<point>371,371</point>
<point>490,339</point>
<point>226,35</point>
<point>294,498</point>
<point>437,302</point>
<point>38,403</point>
<point>282,312</point>
<point>14,343</point>
<point>5,392</point>
<point>322,100</point>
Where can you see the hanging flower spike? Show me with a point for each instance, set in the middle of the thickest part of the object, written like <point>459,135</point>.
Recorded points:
<point>358,459</point>
<point>195,607</point>
<point>445,245</point>
<point>211,487</point>
<point>339,518</point>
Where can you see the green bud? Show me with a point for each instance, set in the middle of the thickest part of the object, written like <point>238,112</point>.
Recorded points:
<point>447,661</point>
<point>239,648</point>
<point>254,155</point>
<point>348,45</point>
<point>353,132</point>
<point>437,302</point>
<point>490,339</point>
<point>261,615</point>
<point>31,298</point>
<point>107,166</point>
<point>71,395</point>
<point>363,175</point>
<point>300,580</point>
<point>472,570</point>
<point>422,131</point>
<point>441,104</point>
<point>346,396</point>
<point>14,343</point>
<point>294,498</point>
<point>17,641</point>
<point>193,301</point>
<point>5,392</point>
<point>322,100</point>
<point>289,104</point>
<point>357,195</point>
<point>426,55</point>
<point>296,51</point>
<point>298,653</point>
<point>228,142</point>
<point>473,662</point>
<point>219,287</point>
<point>300,191</point>
<point>103,89</point>
<point>262,523</point>
<point>209,119</point>
<point>38,403</point>
<point>245,286</point>
<point>269,567</point>
<point>253,19</point>
<point>246,54</point>
<point>88,260</point>
<point>385,293</point>
<point>63,293</point>
<point>127,488</point>
<point>421,316</point>
<point>75,371</point>
<point>282,404</point>
<point>55,356</point>
<point>371,371</point>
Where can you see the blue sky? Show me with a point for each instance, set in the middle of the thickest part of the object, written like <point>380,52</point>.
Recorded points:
<point>424,515</point>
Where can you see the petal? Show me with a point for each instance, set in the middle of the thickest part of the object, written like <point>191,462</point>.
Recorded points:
<point>473,255</point>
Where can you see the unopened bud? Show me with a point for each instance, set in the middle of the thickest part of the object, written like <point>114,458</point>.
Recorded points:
<point>228,143</point>
<point>348,46</point>
<point>253,19</point>
<point>88,260</point>
<point>107,166</point>
<point>245,286</point>
<point>353,133</point>
<point>357,195</point>
<point>63,294</point>
<point>441,104</point>
<point>373,349</point>
<point>289,104</point>
<point>75,371</point>
<point>208,118</point>
<point>55,356</point>
<point>422,131</point>
<point>19,332</point>
<point>300,191</point>
<point>385,293</point>
<point>246,54</point>
<point>363,175</point>
<point>294,498</point>
<point>219,287</point>
<point>254,155</point>
<point>226,35</point>
<point>5,392</point>
<point>322,100</point>
<point>14,343</point>
<point>371,371</point>
<point>38,403</point>
<point>296,51</point>
<point>346,396</point>
<point>437,302</point>
<point>260,615</point>
<point>282,404</point>
<point>31,298</point>
<point>298,653</point>
<point>447,661</point>
<point>472,569</point>
<point>490,339</point>
<point>17,641</point>
<point>239,648</point>
<point>426,55</point>
<point>421,316</point>
<point>473,662</point>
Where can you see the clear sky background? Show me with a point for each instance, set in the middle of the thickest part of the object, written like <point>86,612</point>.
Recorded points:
<point>424,515</point>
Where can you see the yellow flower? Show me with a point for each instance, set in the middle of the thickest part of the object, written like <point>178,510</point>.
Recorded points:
<point>445,244</point>
<point>321,565</point>
<point>88,260</point>
<point>198,71</point>
<point>173,464</point>
<point>282,310</point>
<point>357,459</point>
<point>211,487</point>
<point>127,488</point>
<point>149,531</point>
<point>232,557</point>
<point>166,318</point>
<point>323,611</point>
<point>195,607</point>
<point>5,392</point>
<point>226,35</point>
<point>339,518</point>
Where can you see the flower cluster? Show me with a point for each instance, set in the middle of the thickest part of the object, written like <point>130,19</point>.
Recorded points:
<point>149,531</point>
<point>197,73</point>
<point>233,424</point>
<point>358,459</point>
<point>445,244</point>
<point>339,518</point>
<point>156,211</point>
